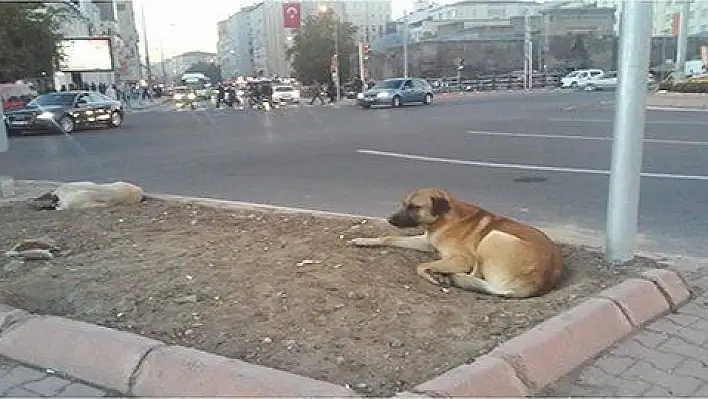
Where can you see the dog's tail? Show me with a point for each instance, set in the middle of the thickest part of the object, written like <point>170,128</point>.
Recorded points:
<point>472,283</point>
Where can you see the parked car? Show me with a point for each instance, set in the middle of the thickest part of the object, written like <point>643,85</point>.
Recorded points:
<point>65,112</point>
<point>610,81</point>
<point>285,94</point>
<point>581,78</point>
<point>396,92</point>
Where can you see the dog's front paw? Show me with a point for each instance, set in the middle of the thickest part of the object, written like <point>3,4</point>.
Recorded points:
<point>365,242</point>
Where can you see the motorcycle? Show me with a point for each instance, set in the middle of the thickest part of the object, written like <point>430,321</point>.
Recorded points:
<point>228,99</point>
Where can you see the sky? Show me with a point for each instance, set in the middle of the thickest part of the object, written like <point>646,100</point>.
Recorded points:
<point>178,26</point>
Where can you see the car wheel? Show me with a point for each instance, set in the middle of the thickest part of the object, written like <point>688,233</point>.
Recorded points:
<point>116,119</point>
<point>574,85</point>
<point>366,106</point>
<point>428,99</point>
<point>590,87</point>
<point>396,102</point>
<point>66,124</point>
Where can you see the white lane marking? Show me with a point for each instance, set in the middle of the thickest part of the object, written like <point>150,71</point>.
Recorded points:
<point>521,166</point>
<point>677,109</point>
<point>581,120</point>
<point>575,137</point>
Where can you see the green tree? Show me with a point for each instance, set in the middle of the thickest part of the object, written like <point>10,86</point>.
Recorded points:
<point>209,69</point>
<point>579,56</point>
<point>313,47</point>
<point>29,42</point>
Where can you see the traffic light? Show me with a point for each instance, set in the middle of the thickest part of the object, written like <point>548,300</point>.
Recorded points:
<point>366,51</point>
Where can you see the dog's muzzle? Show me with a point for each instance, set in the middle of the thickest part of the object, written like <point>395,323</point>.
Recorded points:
<point>403,220</point>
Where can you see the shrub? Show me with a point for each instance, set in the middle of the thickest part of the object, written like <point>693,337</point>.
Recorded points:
<point>690,87</point>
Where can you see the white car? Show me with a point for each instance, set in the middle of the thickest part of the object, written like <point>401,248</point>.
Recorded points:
<point>581,78</point>
<point>286,94</point>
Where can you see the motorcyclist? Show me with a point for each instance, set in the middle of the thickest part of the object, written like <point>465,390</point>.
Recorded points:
<point>231,91</point>
<point>267,92</point>
<point>221,95</point>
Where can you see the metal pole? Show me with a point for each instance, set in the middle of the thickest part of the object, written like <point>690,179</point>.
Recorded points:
<point>527,35</point>
<point>361,62</point>
<point>336,53</point>
<point>630,113</point>
<point>405,45</point>
<point>145,39</point>
<point>3,130</point>
<point>7,183</point>
<point>681,46</point>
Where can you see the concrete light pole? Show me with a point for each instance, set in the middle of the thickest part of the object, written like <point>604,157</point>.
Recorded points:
<point>335,75</point>
<point>145,39</point>
<point>630,114</point>
<point>405,44</point>
<point>682,44</point>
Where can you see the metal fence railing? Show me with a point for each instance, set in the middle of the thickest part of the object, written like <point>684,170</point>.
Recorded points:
<point>494,82</point>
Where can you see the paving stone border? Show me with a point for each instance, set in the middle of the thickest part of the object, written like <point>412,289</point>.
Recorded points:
<point>140,366</point>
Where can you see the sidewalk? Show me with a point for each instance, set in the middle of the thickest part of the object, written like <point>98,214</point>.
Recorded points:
<point>668,358</point>
<point>17,380</point>
<point>678,100</point>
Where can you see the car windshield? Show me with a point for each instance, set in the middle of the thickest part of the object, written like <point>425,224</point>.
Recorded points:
<point>283,88</point>
<point>389,84</point>
<point>611,75</point>
<point>52,99</point>
<point>572,74</point>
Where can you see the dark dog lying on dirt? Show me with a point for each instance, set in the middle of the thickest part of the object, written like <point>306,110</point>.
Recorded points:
<point>82,195</point>
<point>479,251</point>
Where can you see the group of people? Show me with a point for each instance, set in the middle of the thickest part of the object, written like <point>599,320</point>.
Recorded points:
<point>125,93</point>
<point>329,90</point>
<point>243,93</point>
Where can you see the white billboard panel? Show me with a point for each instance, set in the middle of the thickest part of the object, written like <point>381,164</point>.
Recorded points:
<point>86,54</point>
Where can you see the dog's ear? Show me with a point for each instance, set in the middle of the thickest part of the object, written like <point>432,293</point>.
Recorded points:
<point>440,206</point>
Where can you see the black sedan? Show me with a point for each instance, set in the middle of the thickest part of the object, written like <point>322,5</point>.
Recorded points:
<point>65,111</point>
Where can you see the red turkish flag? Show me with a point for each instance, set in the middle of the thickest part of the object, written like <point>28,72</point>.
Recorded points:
<point>292,15</point>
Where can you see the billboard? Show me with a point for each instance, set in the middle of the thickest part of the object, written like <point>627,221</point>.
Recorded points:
<point>86,54</point>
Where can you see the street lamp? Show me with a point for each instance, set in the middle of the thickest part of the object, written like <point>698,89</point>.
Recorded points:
<point>335,74</point>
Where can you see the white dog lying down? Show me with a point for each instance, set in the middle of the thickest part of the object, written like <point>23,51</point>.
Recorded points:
<point>82,195</point>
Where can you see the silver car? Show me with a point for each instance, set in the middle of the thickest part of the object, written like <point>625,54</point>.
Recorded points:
<point>396,92</point>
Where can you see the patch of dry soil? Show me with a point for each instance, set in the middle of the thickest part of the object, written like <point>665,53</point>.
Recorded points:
<point>280,290</point>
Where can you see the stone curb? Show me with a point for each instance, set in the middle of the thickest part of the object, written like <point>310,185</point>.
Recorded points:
<point>573,337</point>
<point>519,367</point>
<point>140,366</point>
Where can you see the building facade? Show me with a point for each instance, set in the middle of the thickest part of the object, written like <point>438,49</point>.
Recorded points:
<point>254,39</point>
<point>663,15</point>
<point>175,66</point>
<point>112,18</point>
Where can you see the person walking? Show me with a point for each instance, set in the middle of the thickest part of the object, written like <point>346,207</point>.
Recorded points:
<point>318,88</point>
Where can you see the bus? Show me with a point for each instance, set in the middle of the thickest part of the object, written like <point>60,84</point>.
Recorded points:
<point>198,82</point>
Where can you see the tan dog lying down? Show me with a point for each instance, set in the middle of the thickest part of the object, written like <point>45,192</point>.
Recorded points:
<point>479,251</point>
<point>82,195</point>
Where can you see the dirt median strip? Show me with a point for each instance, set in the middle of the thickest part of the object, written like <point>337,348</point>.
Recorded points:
<point>183,287</point>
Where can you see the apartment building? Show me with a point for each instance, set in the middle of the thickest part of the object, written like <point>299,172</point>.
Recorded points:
<point>113,18</point>
<point>427,19</point>
<point>255,39</point>
<point>663,15</point>
<point>175,66</point>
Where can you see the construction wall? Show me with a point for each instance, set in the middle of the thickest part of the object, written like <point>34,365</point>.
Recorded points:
<point>437,59</point>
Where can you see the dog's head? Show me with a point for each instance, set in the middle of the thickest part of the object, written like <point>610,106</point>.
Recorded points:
<point>45,201</point>
<point>421,208</point>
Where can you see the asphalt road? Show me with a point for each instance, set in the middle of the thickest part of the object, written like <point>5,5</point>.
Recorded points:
<point>485,148</point>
